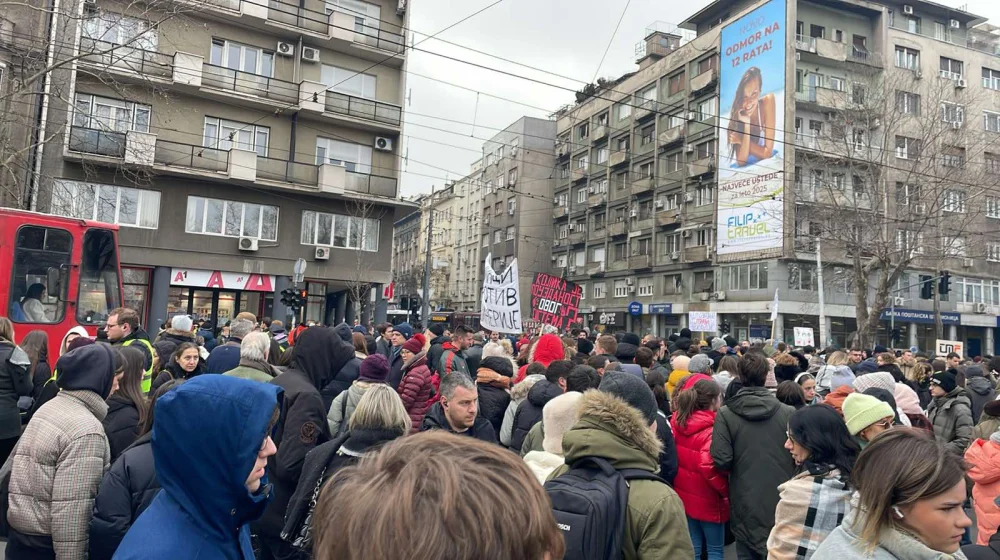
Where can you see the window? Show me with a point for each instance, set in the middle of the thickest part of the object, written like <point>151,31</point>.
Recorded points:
<point>858,93</point>
<point>974,290</point>
<point>599,288</point>
<point>954,246</point>
<point>562,199</point>
<point>703,195</point>
<point>991,121</point>
<point>621,180</point>
<point>644,170</point>
<point>672,162</point>
<point>599,221</point>
<point>599,186</point>
<point>581,195</point>
<point>907,194</point>
<point>622,144</point>
<point>602,155</point>
<point>583,291</point>
<point>817,31</point>
<point>704,282</point>
<point>672,284</point>
<point>244,58</point>
<point>702,238</point>
<point>706,64</point>
<point>135,285</point>
<point>913,24</point>
<point>952,156</point>
<point>992,162</point>
<point>619,252</point>
<point>802,276</point>
<point>642,247</point>
<point>562,231</point>
<point>597,254</point>
<point>991,78</point>
<point>511,205</point>
<point>911,242</point>
<point>993,252</point>
<point>510,233</point>
<point>582,162</point>
<point>705,149</point>
<point>907,148</point>
<point>992,207</point>
<point>350,82</point>
<point>37,249</point>
<point>675,83</point>
<point>602,119</point>
<point>98,293</point>
<point>498,208</point>
<point>106,203</point>
<point>647,135</point>
<point>907,58</point>
<point>621,288</point>
<point>498,236</point>
<point>706,109</point>
<point>226,135</point>
<point>563,171</point>
<point>952,112</point>
<point>119,30</point>
<point>356,158</point>
<point>836,84</point>
<point>115,115</point>
<point>624,111</point>
<point>645,287</point>
<point>908,103</point>
<point>646,97</point>
<point>675,120</point>
<point>512,177</point>
<point>366,15</point>
<point>669,243</point>
<point>951,68</point>
<point>954,201</point>
<point>211,216</point>
<point>580,259</point>
<point>486,240</point>
<point>744,277</point>
<point>583,131</point>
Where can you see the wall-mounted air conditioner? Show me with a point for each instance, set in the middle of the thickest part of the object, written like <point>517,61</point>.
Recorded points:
<point>248,244</point>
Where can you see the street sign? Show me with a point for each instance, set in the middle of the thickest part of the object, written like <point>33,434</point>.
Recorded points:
<point>388,290</point>
<point>635,309</point>
<point>299,271</point>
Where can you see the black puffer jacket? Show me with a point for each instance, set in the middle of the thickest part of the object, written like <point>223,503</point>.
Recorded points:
<point>481,429</point>
<point>493,398</point>
<point>121,425</point>
<point>529,412</point>
<point>15,382</point>
<point>435,351</point>
<point>126,491</point>
<point>341,381</point>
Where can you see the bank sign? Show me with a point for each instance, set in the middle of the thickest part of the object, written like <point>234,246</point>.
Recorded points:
<point>917,316</point>
<point>751,118</point>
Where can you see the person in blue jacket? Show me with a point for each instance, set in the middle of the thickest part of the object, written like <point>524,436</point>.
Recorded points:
<point>211,441</point>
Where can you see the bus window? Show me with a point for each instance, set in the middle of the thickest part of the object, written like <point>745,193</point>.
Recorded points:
<point>38,249</point>
<point>98,277</point>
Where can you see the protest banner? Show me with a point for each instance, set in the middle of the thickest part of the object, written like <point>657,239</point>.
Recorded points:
<point>804,336</point>
<point>501,299</point>
<point>703,321</point>
<point>554,301</point>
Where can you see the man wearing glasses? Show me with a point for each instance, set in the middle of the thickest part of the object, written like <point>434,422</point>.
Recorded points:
<point>123,329</point>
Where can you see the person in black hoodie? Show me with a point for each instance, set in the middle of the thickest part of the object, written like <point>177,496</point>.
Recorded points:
<point>989,551</point>
<point>319,352</point>
<point>343,378</point>
<point>980,390</point>
<point>627,348</point>
<point>457,411</point>
<point>127,488</point>
<point>529,412</point>
<point>494,377</point>
<point>127,404</point>
<point>437,339</point>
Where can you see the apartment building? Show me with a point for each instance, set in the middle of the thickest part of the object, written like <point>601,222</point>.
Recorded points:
<point>227,139</point>
<point>443,235</point>
<point>466,265</point>
<point>637,202</point>
<point>407,257</point>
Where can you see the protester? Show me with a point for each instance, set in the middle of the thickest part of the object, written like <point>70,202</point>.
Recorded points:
<point>728,377</point>
<point>456,412</point>
<point>808,384</point>
<point>909,505</point>
<point>177,333</point>
<point>866,417</point>
<point>658,385</point>
<point>211,445</point>
<point>127,404</point>
<point>702,487</point>
<point>908,404</point>
<point>841,385</point>
<point>60,459</point>
<point>36,345</point>
<point>279,342</point>
<point>418,384</point>
<point>255,348</point>
<point>788,392</point>
<point>748,441</point>
<point>983,458</point>
<point>127,489</point>
<point>437,340</point>
<point>950,412</point>
<point>453,355</point>
<point>184,363</point>
<point>493,378</point>
<point>546,350</point>
<point>989,422</point>
<point>72,334</point>
<point>616,424</point>
<point>400,334</point>
<point>123,329</point>
<point>517,395</point>
<point>680,366</point>
<point>559,415</point>
<point>15,382</point>
<point>341,381</point>
<point>979,390</point>
<point>529,412</point>
<point>374,370</point>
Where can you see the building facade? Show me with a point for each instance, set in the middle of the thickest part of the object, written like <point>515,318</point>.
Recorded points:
<point>227,139</point>
<point>466,264</point>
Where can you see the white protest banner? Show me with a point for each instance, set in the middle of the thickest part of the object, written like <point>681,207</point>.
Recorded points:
<point>501,301</point>
<point>804,336</point>
<point>774,307</point>
<point>703,321</point>
<point>945,347</point>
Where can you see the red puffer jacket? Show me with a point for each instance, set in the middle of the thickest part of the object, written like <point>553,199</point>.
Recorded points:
<point>702,487</point>
<point>415,389</point>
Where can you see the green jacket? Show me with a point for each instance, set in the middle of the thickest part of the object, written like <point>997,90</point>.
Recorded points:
<point>951,416</point>
<point>255,371</point>
<point>533,441</point>
<point>986,426</point>
<point>656,526</point>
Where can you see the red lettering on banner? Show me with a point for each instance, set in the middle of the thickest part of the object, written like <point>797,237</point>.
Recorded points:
<point>216,280</point>
<point>179,277</point>
<point>554,301</point>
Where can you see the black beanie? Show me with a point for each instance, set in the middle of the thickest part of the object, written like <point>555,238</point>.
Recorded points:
<point>947,380</point>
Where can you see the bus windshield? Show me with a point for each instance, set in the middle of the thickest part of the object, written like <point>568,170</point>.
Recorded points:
<point>37,250</point>
<point>98,277</point>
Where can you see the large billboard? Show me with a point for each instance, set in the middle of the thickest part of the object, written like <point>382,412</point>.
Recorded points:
<point>751,121</point>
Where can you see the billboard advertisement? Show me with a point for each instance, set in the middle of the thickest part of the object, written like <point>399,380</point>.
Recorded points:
<point>751,121</point>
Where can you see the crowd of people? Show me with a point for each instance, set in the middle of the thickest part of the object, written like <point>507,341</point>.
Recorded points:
<point>347,442</point>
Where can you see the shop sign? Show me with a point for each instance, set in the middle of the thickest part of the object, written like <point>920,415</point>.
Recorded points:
<point>611,319</point>
<point>759,333</point>
<point>635,309</point>
<point>918,316</point>
<point>222,280</point>
<point>661,308</point>
<point>945,347</point>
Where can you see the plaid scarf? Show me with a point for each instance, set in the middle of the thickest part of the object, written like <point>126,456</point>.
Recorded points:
<point>813,504</point>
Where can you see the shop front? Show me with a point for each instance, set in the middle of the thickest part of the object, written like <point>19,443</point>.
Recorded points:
<point>218,296</point>
<point>609,321</point>
<point>664,322</point>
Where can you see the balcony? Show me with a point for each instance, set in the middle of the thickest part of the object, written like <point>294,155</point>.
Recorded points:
<point>671,178</point>
<point>597,199</point>
<point>593,269</point>
<point>701,166</point>
<point>599,132</point>
<point>359,107</point>
<point>703,80</point>
<point>697,254</point>
<point>700,212</point>
<point>559,212</point>
<point>646,108</point>
<point>618,265</point>
<point>640,262</point>
<point>111,58</point>
<point>597,233</point>
<point>642,224</point>
<point>703,123</point>
<point>642,186</point>
<point>577,237</point>
<point>562,150</point>
<point>616,229</point>
<point>822,97</point>
<point>671,136</point>
<point>578,174</point>
<point>280,170</point>
<point>618,158</point>
<point>246,83</point>
<point>645,146</point>
<point>598,168</point>
<point>187,156</point>
<point>108,146</point>
<point>668,218</point>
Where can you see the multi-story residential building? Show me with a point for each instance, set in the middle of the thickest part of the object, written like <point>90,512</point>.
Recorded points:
<point>407,259</point>
<point>443,233</point>
<point>227,139</point>
<point>637,196</point>
<point>466,265</point>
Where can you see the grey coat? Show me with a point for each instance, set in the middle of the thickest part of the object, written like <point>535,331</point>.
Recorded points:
<point>843,544</point>
<point>951,416</point>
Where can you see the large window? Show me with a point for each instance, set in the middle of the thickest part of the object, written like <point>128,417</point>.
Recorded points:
<point>645,287</point>
<point>976,290</point>
<point>354,157</point>
<point>991,78</point>
<point>744,277</point>
<point>106,203</point>
<point>955,200</point>
<point>98,293</point>
<point>244,58</point>
<point>621,288</point>
<point>907,58</point>
<point>908,103</point>
<point>366,15</point>
<point>339,230</point>
<point>802,276</point>
<point>225,135</point>
<point>119,30</point>
<point>212,216</point>
<point>104,113</point>
<point>37,249</point>
<point>347,81</point>
<point>135,285</point>
<point>951,69</point>
<point>991,121</point>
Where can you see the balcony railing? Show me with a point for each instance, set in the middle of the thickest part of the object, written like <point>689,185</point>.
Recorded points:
<point>287,171</point>
<point>303,18</point>
<point>376,185</point>
<point>130,58</point>
<point>251,84</point>
<point>362,108</point>
<point>904,24</point>
<point>228,4</point>
<point>176,154</point>
<point>96,141</point>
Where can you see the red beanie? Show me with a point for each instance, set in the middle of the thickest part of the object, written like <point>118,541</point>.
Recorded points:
<point>415,344</point>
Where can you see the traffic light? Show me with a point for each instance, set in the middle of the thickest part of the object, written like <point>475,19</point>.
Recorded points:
<point>926,287</point>
<point>945,285</point>
<point>724,327</point>
<point>896,335</point>
<point>288,297</point>
<point>300,299</point>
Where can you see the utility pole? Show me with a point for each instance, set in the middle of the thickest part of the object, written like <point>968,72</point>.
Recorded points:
<point>938,323</point>
<point>426,309</point>
<point>822,305</point>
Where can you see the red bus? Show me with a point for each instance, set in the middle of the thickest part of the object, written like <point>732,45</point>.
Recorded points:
<point>57,273</point>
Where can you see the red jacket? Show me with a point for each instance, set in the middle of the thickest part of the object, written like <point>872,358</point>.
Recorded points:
<point>548,349</point>
<point>415,389</point>
<point>702,487</point>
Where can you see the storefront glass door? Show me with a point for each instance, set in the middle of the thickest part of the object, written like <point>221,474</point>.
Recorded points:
<point>201,304</point>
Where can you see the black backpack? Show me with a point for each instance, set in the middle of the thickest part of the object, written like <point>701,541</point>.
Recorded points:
<point>590,503</point>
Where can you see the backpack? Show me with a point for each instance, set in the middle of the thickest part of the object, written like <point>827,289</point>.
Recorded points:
<point>590,503</point>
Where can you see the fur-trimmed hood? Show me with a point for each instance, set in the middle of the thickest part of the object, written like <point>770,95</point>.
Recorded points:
<point>610,428</point>
<point>520,390</point>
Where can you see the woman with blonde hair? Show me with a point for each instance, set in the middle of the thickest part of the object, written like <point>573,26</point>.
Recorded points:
<point>379,418</point>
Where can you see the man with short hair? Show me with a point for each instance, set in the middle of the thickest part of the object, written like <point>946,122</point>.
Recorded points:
<point>580,378</point>
<point>254,350</point>
<point>435,334</point>
<point>453,357</point>
<point>954,359</point>
<point>457,411</point>
<point>398,337</point>
<point>226,357</point>
<point>123,329</point>
<point>383,342</point>
<point>607,345</point>
<point>598,363</point>
<point>854,358</point>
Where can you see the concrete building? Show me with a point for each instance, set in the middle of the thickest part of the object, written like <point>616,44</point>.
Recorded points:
<point>466,265</point>
<point>636,194</point>
<point>444,232</point>
<point>229,138</point>
<point>407,259</point>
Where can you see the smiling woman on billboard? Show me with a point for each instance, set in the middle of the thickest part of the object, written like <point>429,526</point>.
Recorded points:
<point>752,120</point>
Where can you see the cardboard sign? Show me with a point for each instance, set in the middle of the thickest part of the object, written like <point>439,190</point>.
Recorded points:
<point>554,301</point>
<point>945,347</point>
<point>703,321</point>
<point>501,299</point>
<point>804,336</point>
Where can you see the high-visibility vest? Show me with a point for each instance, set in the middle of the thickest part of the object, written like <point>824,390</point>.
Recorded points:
<point>147,375</point>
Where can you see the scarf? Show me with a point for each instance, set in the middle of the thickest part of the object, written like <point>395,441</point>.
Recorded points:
<point>259,366</point>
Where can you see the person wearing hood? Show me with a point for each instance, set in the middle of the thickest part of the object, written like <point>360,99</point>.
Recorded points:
<point>71,335</point>
<point>494,378</point>
<point>627,347</point>
<point>122,329</point>
<point>547,349</point>
<point>989,422</point>
<point>437,338</point>
<point>227,356</point>
<point>950,412</point>
<point>279,341</point>
<point>184,363</point>
<point>617,423</point>
<point>529,412</point>
<point>748,441</point>
<point>518,394</point>
<point>418,384</point>
<point>207,333</point>
<point>680,366</point>
<point>319,352</point>
<point>254,351</point>
<point>841,384</point>
<point>211,444</point>
<point>979,389</point>
<point>60,460</point>
<point>178,333</point>
<point>559,415</point>
<point>374,370</point>
<point>457,411</point>
<point>983,458</point>
<point>348,374</point>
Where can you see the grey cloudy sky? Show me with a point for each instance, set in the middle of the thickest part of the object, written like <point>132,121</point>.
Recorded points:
<point>566,37</point>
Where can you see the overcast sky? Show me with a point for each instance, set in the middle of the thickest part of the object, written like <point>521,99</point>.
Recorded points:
<point>567,37</point>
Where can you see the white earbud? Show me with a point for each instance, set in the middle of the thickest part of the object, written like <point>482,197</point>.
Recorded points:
<point>898,513</point>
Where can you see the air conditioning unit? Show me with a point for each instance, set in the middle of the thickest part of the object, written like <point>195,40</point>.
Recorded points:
<point>689,148</point>
<point>510,212</point>
<point>285,49</point>
<point>322,254</point>
<point>720,296</point>
<point>556,243</point>
<point>572,270</point>
<point>383,144</point>
<point>675,256</point>
<point>511,181</point>
<point>918,74</point>
<point>908,9</point>
<point>631,289</point>
<point>961,83</point>
<point>248,244</point>
<point>689,197</point>
<point>704,296</point>
<point>310,54</point>
<point>981,308</point>
<point>955,24</point>
<point>630,281</point>
<point>898,301</point>
<point>686,234</point>
<point>592,190</point>
<point>969,263</point>
<point>658,204</point>
<point>634,212</point>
